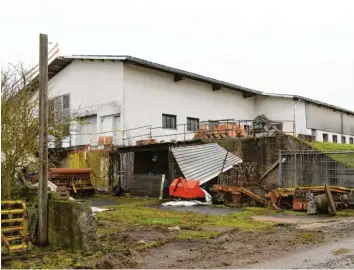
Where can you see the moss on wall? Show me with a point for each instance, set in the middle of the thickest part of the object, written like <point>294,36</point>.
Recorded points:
<point>71,225</point>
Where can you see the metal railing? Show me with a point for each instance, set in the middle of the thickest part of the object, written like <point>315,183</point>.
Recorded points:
<point>224,128</point>
<point>245,128</point>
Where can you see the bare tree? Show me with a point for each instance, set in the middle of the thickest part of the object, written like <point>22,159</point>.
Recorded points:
<point>20,124</point>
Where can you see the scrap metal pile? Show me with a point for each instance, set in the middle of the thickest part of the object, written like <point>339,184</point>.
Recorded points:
<point>236,196</point>
<point>313,199</point>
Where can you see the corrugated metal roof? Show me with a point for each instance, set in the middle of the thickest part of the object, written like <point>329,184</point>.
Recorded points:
<point>203,162</point>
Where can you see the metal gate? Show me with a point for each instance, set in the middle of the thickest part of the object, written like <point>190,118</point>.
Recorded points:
<point>312,168</point>
<point>14,227</point>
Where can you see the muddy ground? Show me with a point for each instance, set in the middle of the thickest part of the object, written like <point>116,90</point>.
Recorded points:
<point>231,246</point>
<point>139,233</point>
<point>234,248</point>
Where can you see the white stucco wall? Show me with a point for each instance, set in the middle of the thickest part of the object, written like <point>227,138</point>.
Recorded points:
<point>95,87</point>
<point>104,88</point>
<point>282,109</point>
<point>148,94</point>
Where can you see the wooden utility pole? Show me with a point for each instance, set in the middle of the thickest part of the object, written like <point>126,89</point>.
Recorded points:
<point>43,141</point>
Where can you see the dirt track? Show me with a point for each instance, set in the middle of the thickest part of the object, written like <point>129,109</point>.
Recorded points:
<point>236,249</point>
<point>139,233</point>
<point>335,255</point>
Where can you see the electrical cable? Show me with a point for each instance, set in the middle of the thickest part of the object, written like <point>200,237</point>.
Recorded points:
<point>94,173</point>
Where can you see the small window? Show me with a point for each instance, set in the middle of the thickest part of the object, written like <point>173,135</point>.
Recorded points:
<point>61,106</point>
<point>335,138</point>
<point>192,123</point>
<point>351,140</point>
<point>66,102</point>
<point>344,139</point>
<point>169,121</point>
<point>325,137</point>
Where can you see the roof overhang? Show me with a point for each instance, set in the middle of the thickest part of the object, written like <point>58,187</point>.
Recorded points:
<point>59,63</point>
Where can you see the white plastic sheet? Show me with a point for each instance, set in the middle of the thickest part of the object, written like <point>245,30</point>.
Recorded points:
<point>98,209</point>
<point>191,202</point>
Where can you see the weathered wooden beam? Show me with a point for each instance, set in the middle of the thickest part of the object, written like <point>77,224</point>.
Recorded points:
<point>178,77</point>
<point>216,87</point>
<point>43,141</point>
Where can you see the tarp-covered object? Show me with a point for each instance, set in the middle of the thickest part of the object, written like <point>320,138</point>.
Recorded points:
<point>204,162</point>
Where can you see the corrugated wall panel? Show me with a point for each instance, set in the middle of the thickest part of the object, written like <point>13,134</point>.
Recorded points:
<point>323,119</point>
<point>348,124</point>
<point>98,161</point>
<point>203,162</point>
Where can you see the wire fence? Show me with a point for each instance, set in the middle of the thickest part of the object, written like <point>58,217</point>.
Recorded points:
<point>310,167</point>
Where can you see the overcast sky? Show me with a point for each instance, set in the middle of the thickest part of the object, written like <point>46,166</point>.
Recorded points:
<point>293,47</point>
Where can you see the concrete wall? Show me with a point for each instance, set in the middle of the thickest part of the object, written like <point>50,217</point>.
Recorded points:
<point>328,121</point>
<point>148,94</point>
<point>278,108</point>
<point>71,225</point>
<point>95,88</point>
<point>102,88</point>
<point>317,169</point>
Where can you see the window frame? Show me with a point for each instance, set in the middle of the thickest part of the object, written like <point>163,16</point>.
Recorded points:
<point>190,124</point>
<point>344,140</point>
<point>62,112</point>
<point>336,139</point>
<point>323,137</point>
<point>169,116</point>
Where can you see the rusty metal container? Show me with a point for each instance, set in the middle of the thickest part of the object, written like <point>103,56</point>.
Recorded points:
<point>299,204</point>
<point>322,203</point>
<point>75,180</point>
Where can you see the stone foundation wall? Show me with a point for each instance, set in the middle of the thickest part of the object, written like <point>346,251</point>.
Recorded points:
<point>71,225</point>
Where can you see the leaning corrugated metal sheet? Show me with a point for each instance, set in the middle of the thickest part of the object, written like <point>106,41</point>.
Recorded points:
<point>203,162</point>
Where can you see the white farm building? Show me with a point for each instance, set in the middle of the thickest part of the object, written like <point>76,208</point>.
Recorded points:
<point>132,99</point>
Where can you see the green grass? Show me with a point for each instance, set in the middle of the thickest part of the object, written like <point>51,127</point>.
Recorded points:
<point>346,159</point>
<point>102,231</point>
<point>195,235</point>
<point>132,213</point>
<point>345,213</point>
<point>294,213</point>
<point>50,258</point>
